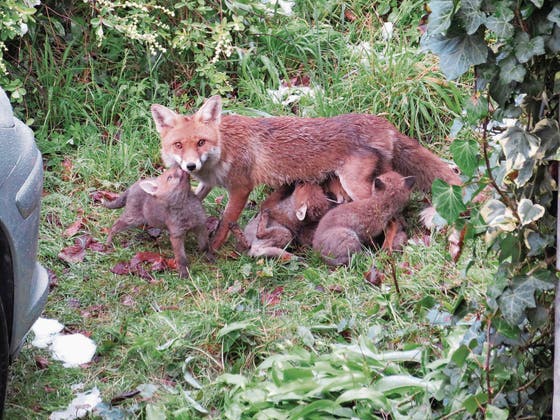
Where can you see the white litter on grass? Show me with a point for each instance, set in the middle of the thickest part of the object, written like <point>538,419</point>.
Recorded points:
<point>283,7</point>
<point>82,405</point>
<point>287,95</point>
<point>45,330</point>
<point>73,350</point>
<point>387,31</point>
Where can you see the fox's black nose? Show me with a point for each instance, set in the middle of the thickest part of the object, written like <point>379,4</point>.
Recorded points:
<point>191,166</point>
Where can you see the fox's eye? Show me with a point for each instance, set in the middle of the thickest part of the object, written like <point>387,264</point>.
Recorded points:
<point>178,145</point>
<point>169,178</point>
<point>201,142</point>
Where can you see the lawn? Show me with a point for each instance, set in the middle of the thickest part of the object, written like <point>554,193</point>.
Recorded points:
<point>241,337</point>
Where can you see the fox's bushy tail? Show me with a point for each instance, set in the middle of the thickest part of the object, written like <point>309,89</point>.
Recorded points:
<point>410,158</point>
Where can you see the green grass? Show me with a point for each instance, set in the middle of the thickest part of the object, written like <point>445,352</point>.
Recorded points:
<point>224,319</point>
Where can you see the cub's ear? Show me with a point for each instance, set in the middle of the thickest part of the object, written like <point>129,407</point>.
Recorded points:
<point>149,186</point>
<point>163,117</point>
<point>301,212</point>
<point>211,111</point>
<point>379,184</point>
<point>409,182</point>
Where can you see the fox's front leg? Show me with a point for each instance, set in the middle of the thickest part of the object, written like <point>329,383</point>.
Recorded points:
<point>236,202</point>
<point>202,190</point>
<point>178,244</point>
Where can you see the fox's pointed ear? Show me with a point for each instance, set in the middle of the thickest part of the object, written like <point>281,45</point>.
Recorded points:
<point>301,212</point>
<point>149,186</point>
<point>379,184</point>
<point>163,117</point>
<point>409,182</point>
<point>211,111</point>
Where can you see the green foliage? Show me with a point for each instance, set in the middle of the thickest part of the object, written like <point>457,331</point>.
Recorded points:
<point>513,47</point>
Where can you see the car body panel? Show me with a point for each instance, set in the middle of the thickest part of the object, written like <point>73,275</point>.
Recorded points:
<point>21,180</point>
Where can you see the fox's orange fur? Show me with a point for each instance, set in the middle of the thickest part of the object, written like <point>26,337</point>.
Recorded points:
<point>239,153</point>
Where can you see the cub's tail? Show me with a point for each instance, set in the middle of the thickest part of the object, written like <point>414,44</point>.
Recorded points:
<point>410,158</point>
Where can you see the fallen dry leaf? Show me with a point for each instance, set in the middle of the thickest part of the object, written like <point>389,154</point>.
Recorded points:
<point>67,167</point>
<point>41,362</point>
<point>272,298</point>
<point>124,396</point>
<point>76,226</point>
<point>374,277</point>
<point>128,300</point>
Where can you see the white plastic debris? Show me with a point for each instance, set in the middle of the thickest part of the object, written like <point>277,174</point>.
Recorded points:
<point>387,31</point>
<point>284,7</point>
<point>73,350</point>
<point>80,406</point>
<point>287,95</point>
<point>45,330</point>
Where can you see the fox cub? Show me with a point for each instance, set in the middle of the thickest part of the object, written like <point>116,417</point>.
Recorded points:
<point>285,217</point>
<point>343,230</point>
<point>166,201</point>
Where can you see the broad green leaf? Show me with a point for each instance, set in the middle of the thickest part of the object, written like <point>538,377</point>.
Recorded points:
<point>377,398</point>
<point>476,108</point>
<point>465,155</point>
<point>292,374</point>
<point>471,15</point>
<point>320,406</point>
<point>535,242</point>
<point>234,326</point>
<point>494,413</point>
<point>548,132</point>
<point>440,17</point>
<point>306,336</point>
<point>513,302</point>
<point>447,200</point>
<point>193,403</point>
<point>499,21</point>
<point>526,47</point>
<point>497,214</point>
<point>518,146</point>
<point>232,379</point>
<point>460,355</point>
<point>529,212</point>
<point>538,3</point>
<point>472,402</point>
<point>154,412</point>
<point>553,42</point>
<point>457,54</point>
<point>554,15</point>
<point>403,384</point>
<point>511,70</point>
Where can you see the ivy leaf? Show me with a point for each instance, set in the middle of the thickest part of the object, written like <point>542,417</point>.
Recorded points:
<point>471,15</point>
<point>440,17</point>
<point>497,214</point>
<point>499,22</point>
<point>465,155</point>
<point>538,3</point>
<point>526,47</point>
<point>457,54</point>
<point>448,200</point>
<point>513,302</point>
<point>518,146</point>
<point>554,15</point>
<point>529,212</point>
<point>536,243</point>
<point>511,70</point>
<point>553,42</point>
<point>494,413</point>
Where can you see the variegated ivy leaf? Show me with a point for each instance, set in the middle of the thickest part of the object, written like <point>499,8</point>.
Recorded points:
<point>536,243</point>
<point>529,212</point>
<point>497,214</point>
<point>518,146</point>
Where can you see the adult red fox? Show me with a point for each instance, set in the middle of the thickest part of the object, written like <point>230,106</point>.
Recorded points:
<point>239,153</point>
